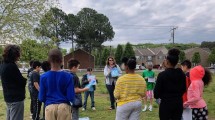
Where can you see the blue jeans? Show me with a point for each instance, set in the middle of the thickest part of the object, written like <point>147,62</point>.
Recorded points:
<point>86,94</point>
<point>15,110</point>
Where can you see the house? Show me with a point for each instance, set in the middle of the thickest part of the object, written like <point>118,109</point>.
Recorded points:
<point>154,56</point>
<point>204,54</point>
<point>86,59</point>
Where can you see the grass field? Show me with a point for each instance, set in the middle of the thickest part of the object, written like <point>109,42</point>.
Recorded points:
<point>102,104</point>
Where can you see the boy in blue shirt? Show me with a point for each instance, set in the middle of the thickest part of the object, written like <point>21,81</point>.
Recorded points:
<point>85,81</point>
<point>56,89</point>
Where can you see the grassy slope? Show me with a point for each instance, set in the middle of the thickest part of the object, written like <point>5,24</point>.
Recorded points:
<point>102,103</point>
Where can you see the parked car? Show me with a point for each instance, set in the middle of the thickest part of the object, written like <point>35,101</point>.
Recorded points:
<point>156,66</point>
<point>140,67</point>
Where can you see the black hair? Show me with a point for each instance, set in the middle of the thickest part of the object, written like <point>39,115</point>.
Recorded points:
<point>130,62</point>
<point>46,66</point>
<point>73,63</point>
<point>207,77</point>
<point>31,63</point>
<point>89,69</point>
<point>11,53</point>
<point>186,63</point>
<point>55,56</point>
<point>173,56</point>
<point>36,64</point>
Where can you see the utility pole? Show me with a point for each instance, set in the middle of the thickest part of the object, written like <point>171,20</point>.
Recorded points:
<point>173,34</point>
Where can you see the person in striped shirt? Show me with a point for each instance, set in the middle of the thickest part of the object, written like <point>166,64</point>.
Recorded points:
<point>129,91</point>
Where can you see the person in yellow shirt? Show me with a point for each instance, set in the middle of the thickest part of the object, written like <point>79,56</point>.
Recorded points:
<point>129,91</point>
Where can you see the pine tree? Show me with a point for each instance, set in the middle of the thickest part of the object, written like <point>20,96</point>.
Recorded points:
<point>105,55</point>
<point>128,52</point>
<point>118,54</point>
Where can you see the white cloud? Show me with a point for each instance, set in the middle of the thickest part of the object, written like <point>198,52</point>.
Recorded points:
<point>194,18</point>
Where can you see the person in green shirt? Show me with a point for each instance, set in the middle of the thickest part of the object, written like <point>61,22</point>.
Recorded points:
<point>149,76</point>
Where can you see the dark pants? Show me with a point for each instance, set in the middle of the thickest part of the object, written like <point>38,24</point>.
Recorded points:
<point>36,107</point>
<point>31,96</point>
<point>86,94</point>
<point>171,110</point>
<point>110,89</point>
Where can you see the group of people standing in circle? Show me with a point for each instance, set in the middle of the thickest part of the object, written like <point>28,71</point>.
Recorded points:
<point>180,90</point>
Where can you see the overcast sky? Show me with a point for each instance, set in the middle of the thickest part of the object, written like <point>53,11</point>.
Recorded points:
<point>150,21</point>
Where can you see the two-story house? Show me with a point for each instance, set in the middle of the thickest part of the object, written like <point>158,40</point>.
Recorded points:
<point>154,56</point>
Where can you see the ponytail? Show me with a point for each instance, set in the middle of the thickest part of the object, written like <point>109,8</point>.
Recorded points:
<point>207,77</point>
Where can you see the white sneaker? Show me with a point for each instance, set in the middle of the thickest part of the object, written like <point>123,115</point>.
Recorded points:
<point>83,109</point>
<point>145,108</point>
<point>150,108</point>
<point>93,108</point>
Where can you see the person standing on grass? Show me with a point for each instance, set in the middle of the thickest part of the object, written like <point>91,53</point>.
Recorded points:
<point>170,87</point>
<point>56,89</point>
<point>73,66</point>
<point>147,75</point>
<point>13,83</point>
<point>30,86</point>
<point>111,71</point>
<point>129,91</point>
<point>199,77</point>
<point>46,67</point>
<point>187,112</point>
<point>85,81</point>
<point>35,80</point>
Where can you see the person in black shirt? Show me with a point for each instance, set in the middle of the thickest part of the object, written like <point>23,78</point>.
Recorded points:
<point>29,84</point>
<point>13,83</point>
<point>170,86</point>
<point>73,66</point>
<point>35,80</point>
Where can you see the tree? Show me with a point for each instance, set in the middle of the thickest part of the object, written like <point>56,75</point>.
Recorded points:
<point>93,30</point>
<point>211,57</point>
<point>196,58</point>
<point>128,51</point>
<point>32,50</point>
<point>105,55</point>
<point>182,56</point>
<point>18,17</point>
<point>206,44</point>
<point>1,52</point>
<point>53,26</point>
<point>64,51</point>
<point>118,53</point>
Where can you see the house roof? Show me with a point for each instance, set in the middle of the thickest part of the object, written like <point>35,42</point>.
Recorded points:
<point>150,51</point>
<point>192,49</point>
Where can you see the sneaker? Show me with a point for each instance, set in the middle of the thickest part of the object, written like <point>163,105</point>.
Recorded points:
<point>93,108</point>
<point>145,108</point>
<point>83,109</point>
<point>150,108</point>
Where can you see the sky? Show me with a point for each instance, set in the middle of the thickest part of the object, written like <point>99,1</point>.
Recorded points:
<point>151,21</point>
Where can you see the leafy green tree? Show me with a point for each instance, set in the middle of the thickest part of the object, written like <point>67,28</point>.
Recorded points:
<point>72,24</point>
<point>1,52</point>
<point>53,26</point>
<point>93,30</point>
<point>211,57</point>
<point>128,51</point>
<point>32,50</point>
<point>18,17</point>
<point>64,51</point>
<point>118,53</point>
<point>182,56</point>
<point>207,44</point>
<point>71,50</point>
<point>196,58</point>
<point>105,55</point>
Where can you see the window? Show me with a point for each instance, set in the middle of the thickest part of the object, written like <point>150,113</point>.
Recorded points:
<point>149,57</point>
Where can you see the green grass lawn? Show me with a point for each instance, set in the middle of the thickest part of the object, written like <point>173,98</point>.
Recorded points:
<point>102,104</point>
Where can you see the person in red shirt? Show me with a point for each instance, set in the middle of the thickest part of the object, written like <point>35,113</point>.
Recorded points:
<point>187,112</point>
